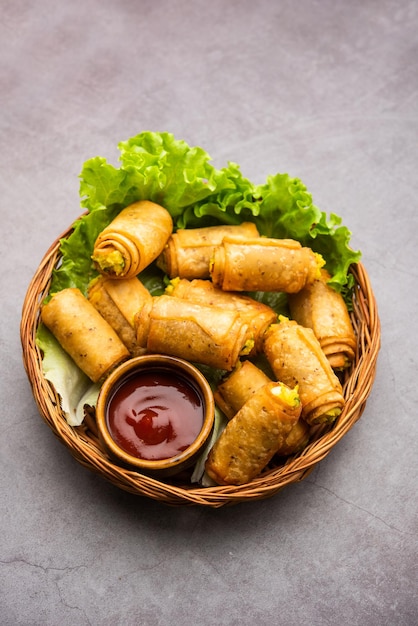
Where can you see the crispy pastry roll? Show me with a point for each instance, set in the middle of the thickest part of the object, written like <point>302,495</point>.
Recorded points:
<point>83,333</point>
<point>263,264</point>
<point>296,358</point>
<point>296,440</point>
<point>202,334</point>
<point>188,251</point>
<point>238,386</point>
<point>257,315</point>
<point>254,435</point>
<point>118,302</point>
<point>132,240</point>
<point>323,309</point>
<point>234,391</point>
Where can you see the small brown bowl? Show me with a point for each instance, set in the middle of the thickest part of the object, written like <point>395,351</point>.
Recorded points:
<point>155,413</point>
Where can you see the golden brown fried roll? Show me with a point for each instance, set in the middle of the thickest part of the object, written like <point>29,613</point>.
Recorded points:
<point>296,440</point>
<point>296,358</point>
<point>264,264</point>
<point>234,391</point>
<point>83,333</point>
<point>118,302</point>
<point>197,333</point>
<point>257,315</point>
<point>188,251</point>
<point>323,309</point>
<point>132,240</point>
<point>253,436</point>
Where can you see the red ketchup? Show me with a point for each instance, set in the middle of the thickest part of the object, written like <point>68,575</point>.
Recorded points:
<point>155,415</point>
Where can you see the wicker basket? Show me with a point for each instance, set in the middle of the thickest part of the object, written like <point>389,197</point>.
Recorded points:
<point>85,447</point>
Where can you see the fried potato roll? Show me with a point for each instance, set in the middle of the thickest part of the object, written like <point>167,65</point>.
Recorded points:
<point>132,240</point>
<point>202,334</point>
<point>253,436</point>
<point>323,309</point>
<point>296,358</point>
<point>118,302</point>
<point>264,264</point>
<point>257,315</point>
<point>83,333</point>
<point>234,391</point>
<point>188,251</point>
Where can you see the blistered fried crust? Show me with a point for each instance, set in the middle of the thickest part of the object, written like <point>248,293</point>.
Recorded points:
<point>322,309</point>
<point>257,315</point>
<point>296,358</point>
<point>134,239</point>
<point>264,264</point>
<point>118,302</point>
<point>197,333</point>
<point>238,386</point>
<point>83,333</point>
<point>253,436</point>
<point>188,251</point>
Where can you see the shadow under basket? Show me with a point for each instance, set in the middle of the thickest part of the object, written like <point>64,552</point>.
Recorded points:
<point>85,447</point>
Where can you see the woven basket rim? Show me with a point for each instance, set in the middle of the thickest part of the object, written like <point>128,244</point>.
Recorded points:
<point>84,445</point>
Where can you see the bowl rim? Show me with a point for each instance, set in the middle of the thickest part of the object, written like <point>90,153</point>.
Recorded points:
<point>168,363</point>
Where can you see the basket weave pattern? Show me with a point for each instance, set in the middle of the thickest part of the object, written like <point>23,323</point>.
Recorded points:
<point>83,443</point>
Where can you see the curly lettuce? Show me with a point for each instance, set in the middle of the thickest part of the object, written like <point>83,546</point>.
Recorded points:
<point>157,167</point>
<point>287,211</point>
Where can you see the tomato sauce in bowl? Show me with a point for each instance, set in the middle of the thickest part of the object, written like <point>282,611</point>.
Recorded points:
<point>155,413</point>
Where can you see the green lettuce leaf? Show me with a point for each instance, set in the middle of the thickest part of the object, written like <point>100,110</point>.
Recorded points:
<point>156,167</point>
<point>287,211</point>
<point>233,204</point>
<point>199,474</point>
<point>75,268</point>
<point>160,168</point>
<point>74,387</point>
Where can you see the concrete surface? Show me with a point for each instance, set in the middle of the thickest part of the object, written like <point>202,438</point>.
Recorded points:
<point>327,91</point>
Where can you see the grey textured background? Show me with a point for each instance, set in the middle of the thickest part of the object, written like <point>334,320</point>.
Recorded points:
<point>327,91</point>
